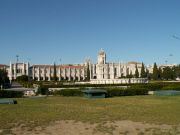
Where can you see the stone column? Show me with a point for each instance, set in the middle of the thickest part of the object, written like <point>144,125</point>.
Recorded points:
<point>83,73</point>
<point>38,74</point>
<point>93,68</point>
<point>125,70</point>
<point>69,74</point>
<point>112,70</point>
<point>33,73</point>
<point>23,69</point>
<point>10,73</point>
<point>119,69</point>
<point>98,72</point>
<point>44,74</point>
<point>15,69</point>
<point>49,77</point>
<point>74,73</point>
<point>90,69</point>
<point>27,68</point>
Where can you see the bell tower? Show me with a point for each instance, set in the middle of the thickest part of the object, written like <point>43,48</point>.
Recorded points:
<point>101,57</point>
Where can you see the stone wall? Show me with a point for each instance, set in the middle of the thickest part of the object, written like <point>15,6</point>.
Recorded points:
<point>119,81</point>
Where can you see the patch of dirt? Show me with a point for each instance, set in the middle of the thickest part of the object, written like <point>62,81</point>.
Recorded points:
<point>70,127</point>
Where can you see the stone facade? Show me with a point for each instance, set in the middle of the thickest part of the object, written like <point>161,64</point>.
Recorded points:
<point>17,69</point>
<point>102,72</point>
<point>105,70</point>
<point>3,67</point>
<point>46,72</point>
<point>63,72</point>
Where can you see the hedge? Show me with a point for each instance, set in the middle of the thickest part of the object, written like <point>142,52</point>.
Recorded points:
<point>46,86</point>
<point>126,92</point>
<point>133,89</point>
<point>171,87</point>
<point>162,86</point>
<point>110,92</point>
<point>69,92</point>
<point>11,94</point>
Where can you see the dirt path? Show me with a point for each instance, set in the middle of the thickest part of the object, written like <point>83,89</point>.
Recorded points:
<point>107,128</point>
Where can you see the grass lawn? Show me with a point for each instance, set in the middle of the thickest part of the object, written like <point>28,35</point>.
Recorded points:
<point>33,112</point>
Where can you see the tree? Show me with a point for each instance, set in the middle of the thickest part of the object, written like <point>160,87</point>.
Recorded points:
<point>130,75</point>
<point>168,73</point>
<point>155,72</point>
<point>136,72</point>
<point>55,73</point>
<point>160,73</point>
<point>149,75</point>
<point>176,70</point>
<point>143,73</point>
<point>4,80</point>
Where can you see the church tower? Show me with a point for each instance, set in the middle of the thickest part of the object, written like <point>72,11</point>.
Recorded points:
<point>101,57</point>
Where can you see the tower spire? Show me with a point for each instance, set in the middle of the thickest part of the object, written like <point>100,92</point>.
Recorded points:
<point>17,58</point>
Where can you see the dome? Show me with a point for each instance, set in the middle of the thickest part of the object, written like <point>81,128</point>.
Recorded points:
<point>101,52</point>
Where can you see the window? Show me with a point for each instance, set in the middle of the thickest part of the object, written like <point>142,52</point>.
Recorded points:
<point>115,72</point>
<point>19,71</point>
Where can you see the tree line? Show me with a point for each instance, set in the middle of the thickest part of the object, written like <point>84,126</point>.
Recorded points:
<point>159,73</point>
<point>144,73</point>
<point>165,73</point>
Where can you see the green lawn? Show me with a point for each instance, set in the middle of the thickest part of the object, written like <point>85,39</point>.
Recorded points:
<point>33,112</point>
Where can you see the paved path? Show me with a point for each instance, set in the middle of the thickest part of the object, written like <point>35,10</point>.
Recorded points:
<point>18,87</point>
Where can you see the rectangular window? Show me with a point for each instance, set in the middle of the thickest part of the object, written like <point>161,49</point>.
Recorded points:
<point>18,71</point>
<point>115,72</point>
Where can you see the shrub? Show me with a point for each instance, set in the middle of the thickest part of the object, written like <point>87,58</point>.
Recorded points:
<point>23,78</point>
<point>11,94</point>
<point>42,90</point>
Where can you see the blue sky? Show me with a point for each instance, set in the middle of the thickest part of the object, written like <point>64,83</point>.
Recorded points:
<point>44,31</point>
